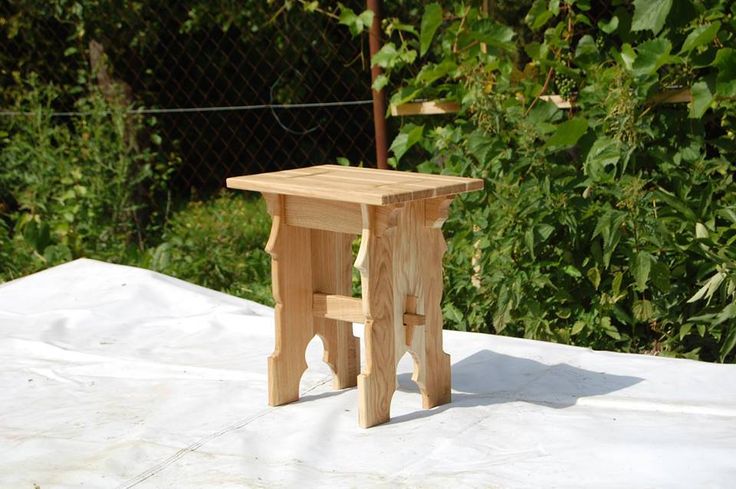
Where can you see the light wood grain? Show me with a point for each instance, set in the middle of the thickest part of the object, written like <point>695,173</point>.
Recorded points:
<point>356,185</point>
<point>338,307</point>
<point>401,271</point>
<point>561,103</point>
<point>431,107</point>
<point>316,213</point>
<point>332,261</point>
<point>327,215</point>
<point>291,275</point>
<point>436,211</point>
<point>377,382</point>
<point>442,107</point>
<point>411,307</point>
<point>344,308</point>
<point>435,376</point>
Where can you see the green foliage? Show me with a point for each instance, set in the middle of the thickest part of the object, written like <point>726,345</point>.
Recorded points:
<point>94,186</point>
<point>610,225</point>
<point>357,23</point>
<point>219,244</point>
<point>75,187</point>
<point>650,15</point>
<point>431,21</point>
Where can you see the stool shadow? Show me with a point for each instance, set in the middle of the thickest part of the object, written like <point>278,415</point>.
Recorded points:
<point>322,395</point>
<point>486,378</point>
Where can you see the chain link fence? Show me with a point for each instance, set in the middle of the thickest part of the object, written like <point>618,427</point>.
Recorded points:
<point>235,87</point>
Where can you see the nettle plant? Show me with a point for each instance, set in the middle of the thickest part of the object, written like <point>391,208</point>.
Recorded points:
<point>611,224</point>
<point>77,186</point>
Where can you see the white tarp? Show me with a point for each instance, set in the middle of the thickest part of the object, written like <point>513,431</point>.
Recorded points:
<point>117,377</point>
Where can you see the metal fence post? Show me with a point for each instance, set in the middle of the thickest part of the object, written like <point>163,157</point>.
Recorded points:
<point>379,97</point>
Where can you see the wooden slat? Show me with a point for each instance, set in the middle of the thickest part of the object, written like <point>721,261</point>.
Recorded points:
<point>386,176</point>
<point>373,174</point>
<point>411,307</point>
<point>438,107</point>
<point>327,215</point>
<point>390,190</point>
<point>340,307</point>
<point>355,185</point>
<point>674,96</point>
<point>320,188</point>
<point>431,107</point>
<point>344,308</point>
<point>561,103</point>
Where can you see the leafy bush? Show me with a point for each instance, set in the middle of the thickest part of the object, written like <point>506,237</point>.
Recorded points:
<point>611,224</point>
<point>73,187</point>
<point>94,186</point>
<point>219,244</point>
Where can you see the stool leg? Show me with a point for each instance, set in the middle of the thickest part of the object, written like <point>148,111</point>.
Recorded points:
<point>291,274</point>
<point>437,380</point>
<point>377,383</point>
<point>332,256</point>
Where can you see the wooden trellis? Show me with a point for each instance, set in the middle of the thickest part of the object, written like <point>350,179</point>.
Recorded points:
<point>440,107</point>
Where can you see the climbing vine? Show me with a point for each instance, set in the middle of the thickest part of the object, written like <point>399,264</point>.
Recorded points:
<point>610,223</point>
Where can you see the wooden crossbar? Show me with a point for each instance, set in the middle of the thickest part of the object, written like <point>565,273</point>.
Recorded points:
<point>344,308</point>
<point>442,107</point>
<point>339,307</point>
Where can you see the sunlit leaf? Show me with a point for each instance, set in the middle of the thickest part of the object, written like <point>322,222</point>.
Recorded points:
<point>701,99</point>
<point>726,78</point>
<point>408,137</point>
<point>700,36</point>
<point>431,20</point>
<point>651,55</point>
<point>568,133</point>
<point>640,269</point>
<point>610,26</point>
<point>650,15</point>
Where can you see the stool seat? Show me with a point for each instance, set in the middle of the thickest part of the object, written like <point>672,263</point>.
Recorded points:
<point>357,185</point>
<point>316,214</point>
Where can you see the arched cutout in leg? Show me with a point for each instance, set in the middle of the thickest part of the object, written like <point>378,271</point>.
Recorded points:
<point>341,352</point>
<point>377,383</point>
<point>285,370</point>
<point>291,273</point>
<point>436,380</point>
<point>317,369</point>
<point>332,274</point>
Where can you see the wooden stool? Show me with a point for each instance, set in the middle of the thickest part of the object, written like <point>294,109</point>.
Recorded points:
<point>317,212</point>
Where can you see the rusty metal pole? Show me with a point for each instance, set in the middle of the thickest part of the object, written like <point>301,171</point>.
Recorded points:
<point>379,97</point>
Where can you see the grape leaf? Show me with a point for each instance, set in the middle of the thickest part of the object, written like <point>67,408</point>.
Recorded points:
<point>650,15</point>
<point>568,133</point>
<point>700,36</point>
<point>702,97</point>
<point>431,20</point>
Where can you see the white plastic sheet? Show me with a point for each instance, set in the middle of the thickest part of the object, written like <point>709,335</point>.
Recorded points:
<point>117,377</point>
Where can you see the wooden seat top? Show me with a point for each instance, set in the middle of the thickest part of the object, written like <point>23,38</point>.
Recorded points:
<point>357,185</point>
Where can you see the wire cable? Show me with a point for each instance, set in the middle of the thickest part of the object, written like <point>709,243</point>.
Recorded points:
<point>183,110</point>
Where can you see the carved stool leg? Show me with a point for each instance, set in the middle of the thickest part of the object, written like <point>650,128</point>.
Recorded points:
<point>420,247</point>
<point>377,383</point>
<point>291,274</point>
<point>332,257</point>
<point>436,374</point>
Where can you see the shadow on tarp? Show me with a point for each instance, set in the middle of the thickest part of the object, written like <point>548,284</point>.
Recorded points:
<point>486,378</point>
